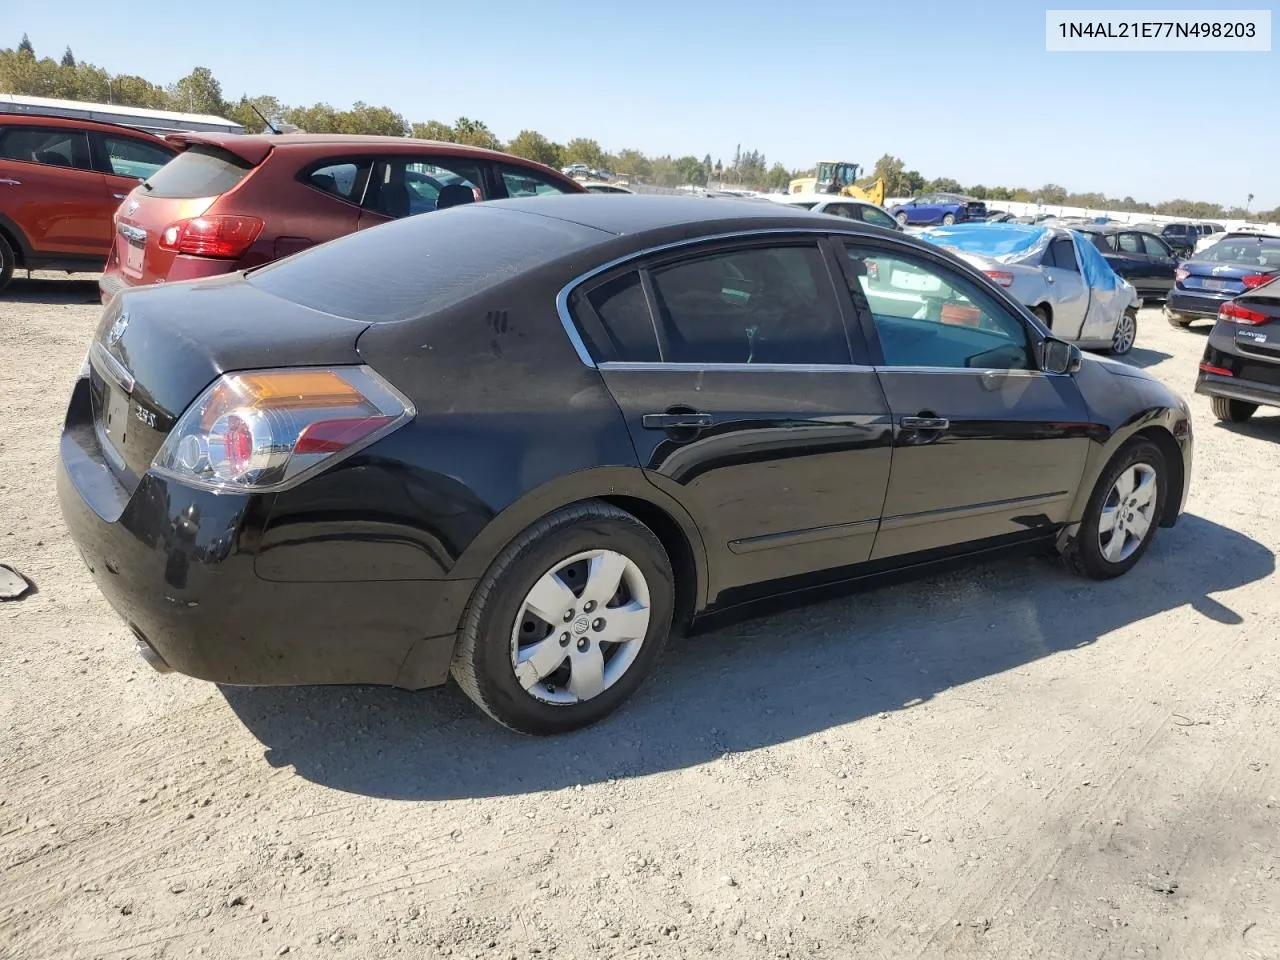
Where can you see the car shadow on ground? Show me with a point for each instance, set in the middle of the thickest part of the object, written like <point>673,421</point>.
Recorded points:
<point>1143,357</point>
<point>76,289</point>
<point>759,683</point>
<point>1261,427</point>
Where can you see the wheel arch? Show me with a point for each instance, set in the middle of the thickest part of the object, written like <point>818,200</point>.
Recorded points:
<point>626,488</point>
<point>17,240</point>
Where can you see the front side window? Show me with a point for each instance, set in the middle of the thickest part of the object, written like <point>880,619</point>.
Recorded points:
<point>523,182</point>
<point>846,210</point>
<point>51,147</point>
<point>1130,243</point>
<point>877,218</point>
<point>407,186</point>
<point>130,157</point>
<point>1155,247</point>
<point>752,305</point>
<point>927,316</point>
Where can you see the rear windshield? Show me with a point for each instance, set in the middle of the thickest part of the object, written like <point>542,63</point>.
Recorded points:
<point>200,171</point>
<point>419,265</point>
<point>1261,253</point>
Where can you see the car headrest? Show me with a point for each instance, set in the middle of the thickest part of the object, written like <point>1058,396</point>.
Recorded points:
<point>454,194</point>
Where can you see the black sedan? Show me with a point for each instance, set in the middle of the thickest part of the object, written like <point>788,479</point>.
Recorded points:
<point>1221,273</point>
<point>522,441</point>
<point>1142,258</point>
<point>1240,369</point>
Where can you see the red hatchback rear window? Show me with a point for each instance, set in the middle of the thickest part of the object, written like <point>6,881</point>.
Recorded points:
<point>201,171</point>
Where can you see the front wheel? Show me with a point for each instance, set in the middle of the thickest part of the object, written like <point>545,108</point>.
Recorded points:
<point>1125,334</point>
<point>1121,517</point>
<point>949,219</point>
<point>567,622</point>
<point>1232,411</point>
<point>7,262</point>
<point>902,219</point>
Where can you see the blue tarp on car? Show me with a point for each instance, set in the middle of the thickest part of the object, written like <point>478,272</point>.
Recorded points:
<point>1010,242</point>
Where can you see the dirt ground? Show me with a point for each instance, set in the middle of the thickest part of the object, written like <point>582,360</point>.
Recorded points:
<point>1004,763</point>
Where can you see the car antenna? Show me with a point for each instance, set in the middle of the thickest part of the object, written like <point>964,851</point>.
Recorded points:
<point>270,126</point>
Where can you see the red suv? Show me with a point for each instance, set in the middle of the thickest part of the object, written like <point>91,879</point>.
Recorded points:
<point>61,180</point>
<point>229,201</point>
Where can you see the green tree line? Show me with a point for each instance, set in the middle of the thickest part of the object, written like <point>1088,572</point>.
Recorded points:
<point>23,72</point>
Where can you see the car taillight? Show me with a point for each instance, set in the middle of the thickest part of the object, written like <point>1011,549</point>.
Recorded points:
<point>1252,281</point>
<point>224,236</point>
<point>1219,371</point>
<point>270,429</point>
<point>1181,274</point>
<point>1233,312</point>
<point>1002,277</point>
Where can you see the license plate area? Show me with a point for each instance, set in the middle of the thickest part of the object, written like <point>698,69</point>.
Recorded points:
<point>134,254</point>
<point>1210,284</point>
<point>115,416</point>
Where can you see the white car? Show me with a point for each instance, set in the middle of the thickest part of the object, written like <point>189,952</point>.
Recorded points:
<point>1057,273</point>
<point>836,206</point>
<point>1247,229</point>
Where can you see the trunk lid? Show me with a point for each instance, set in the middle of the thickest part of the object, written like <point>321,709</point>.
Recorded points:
<point>184,188</point>
<point>1220,278</point>
<point>155,350</point>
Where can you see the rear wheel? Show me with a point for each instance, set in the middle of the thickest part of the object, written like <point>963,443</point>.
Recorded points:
<point>568,621</point>
<point>1232,411</point>
<point>1126,333</point>
<point>7,262</point>
<point>1121,517</point>
<point>902,219</point>
<point>949,219</point>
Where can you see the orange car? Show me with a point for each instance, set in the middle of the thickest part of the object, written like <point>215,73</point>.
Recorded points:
<point>61,180</point>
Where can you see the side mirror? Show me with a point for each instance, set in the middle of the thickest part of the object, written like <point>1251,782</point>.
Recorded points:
<point>1058,356</point>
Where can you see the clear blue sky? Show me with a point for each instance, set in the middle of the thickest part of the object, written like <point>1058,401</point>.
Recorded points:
<point>962,88</point>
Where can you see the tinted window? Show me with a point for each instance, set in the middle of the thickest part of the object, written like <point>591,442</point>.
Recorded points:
<point>1129,243</point>
<point>345,179</point>
<point>51,147</point>
<point>877,217</point>
<point>1061,254</point>
<point>846,210</point>
<point>522,182</point>
<point>927,316</point>
<point>416,266</point>
<point>1154,246</point>
<point>1175,230</point>
<point>1241,251</point>
<point>625,321</point>
<point>405,186</point>
<point>1104,242</point>
<point>755,305</point>
<point>129,157</point>
<point>199,171</point>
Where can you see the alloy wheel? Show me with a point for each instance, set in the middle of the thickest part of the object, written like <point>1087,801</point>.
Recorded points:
<point>1128,512</point>
<point>580,627</point>
<point>1126,332</point>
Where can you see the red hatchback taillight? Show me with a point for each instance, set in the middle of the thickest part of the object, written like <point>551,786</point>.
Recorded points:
<point>1252,281</point>
<point>226,237</point>
<point>1233,312</point>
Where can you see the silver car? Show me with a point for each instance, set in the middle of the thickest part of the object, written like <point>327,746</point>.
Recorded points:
<point>1058,274</point>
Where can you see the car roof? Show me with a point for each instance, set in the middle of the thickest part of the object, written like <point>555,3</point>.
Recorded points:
<point>260,144</point>
<point>75,123</point>
<point>636,214</point>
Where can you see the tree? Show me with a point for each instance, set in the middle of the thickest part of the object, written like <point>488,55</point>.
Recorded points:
<point>25,47</point>
<point>1052,193</point>
<point>434,130</point>
<point>244,114</point>
<point>317,118</point>
<point>690,170</point>
<point>198,92</point>
<point>475,133</point>
<point>633,162</point>
<point>978,192</point>
<point>778,177</point>
<point>891,170</point>
<point>372,121</point>
<point>944,185</point>
<point>532,145</point>
<point>582,150</point>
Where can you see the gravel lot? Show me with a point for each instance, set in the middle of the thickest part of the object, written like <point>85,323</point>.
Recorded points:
<point>1005,763</point>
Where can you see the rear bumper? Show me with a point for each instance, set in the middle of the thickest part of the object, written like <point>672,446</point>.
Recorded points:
<point>183,268</point>
<point>177,565</point>
<point>1250,391</point>
<point>1196,304</point>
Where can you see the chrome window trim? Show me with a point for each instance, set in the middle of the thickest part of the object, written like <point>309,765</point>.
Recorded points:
<point>668,367</point>
<point>562,298</point>
<point>131,233</point>
<point>112,368</point>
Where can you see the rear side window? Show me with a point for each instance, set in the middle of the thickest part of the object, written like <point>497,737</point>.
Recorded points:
<point>1130,243</point>
<point>52,147</point>
<point>200,171</point>
<point>130,157</point>
<point>522,182</point>
<point>876,218</point>
<point>1061,254</point>
<point>345,180</point>
<point>624,321</point>
<point>758,305</point>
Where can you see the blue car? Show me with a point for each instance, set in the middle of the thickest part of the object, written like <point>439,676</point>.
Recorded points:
<point>944,208</point>
<point>1221,273</point>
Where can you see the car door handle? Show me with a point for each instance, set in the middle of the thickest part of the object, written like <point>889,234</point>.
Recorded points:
<point>118,196</point>
<point>1048,278</point>
<point>925,423</point>
<point>9,181</point>
<point>676,421</point>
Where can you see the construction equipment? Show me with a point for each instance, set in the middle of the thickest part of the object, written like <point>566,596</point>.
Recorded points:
<point>839,177</point>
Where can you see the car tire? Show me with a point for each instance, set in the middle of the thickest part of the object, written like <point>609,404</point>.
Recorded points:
<point>1232,411</point>
<point>1126,333</point>
<point>553,561</point>
<point>8,262</point>
<point>1093,552</point>
<point>902,219</point>
<point>1043,315</point>
<point>948,219</point>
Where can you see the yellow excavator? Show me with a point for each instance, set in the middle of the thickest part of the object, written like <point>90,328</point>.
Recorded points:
<point>839,177</point>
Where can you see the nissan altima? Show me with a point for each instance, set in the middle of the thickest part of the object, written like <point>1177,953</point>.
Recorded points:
<point>522,442</point>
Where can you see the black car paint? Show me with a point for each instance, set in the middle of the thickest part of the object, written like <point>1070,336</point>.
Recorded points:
<point>1250,353</point>
<point>1151,276</point>
<point>362,573</point>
